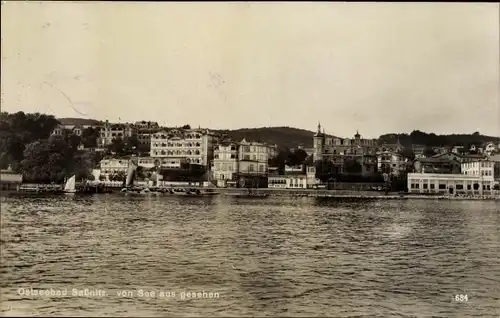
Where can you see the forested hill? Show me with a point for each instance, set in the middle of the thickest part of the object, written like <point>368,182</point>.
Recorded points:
<point>282,136</point>
<point>78,121</point>
<point>418,137</point>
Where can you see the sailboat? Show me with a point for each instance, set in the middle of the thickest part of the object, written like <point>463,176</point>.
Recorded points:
<point>70,186</point>
<point>129,181</point>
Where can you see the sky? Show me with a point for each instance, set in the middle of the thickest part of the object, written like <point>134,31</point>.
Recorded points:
<point>373,67</point>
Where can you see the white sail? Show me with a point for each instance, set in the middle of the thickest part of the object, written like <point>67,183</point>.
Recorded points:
<point>70,184</point>
<point>130,173</point>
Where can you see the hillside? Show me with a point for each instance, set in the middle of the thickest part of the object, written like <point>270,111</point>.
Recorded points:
<point>292,137</point>
<point>418,137</point>
<point>282,136</point>
<point>78,121</point>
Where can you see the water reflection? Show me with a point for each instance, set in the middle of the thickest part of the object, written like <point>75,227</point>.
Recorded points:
<point>266,257</point>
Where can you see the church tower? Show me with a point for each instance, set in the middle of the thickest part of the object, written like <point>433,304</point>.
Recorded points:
<point>357,138</point>
<point>319,143</point>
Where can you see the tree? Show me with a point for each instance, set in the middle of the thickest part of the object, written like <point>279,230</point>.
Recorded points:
<point>280,160</point>
<point>429,152</point>
<point>46,160</point>
<point>324,169</point>
<point>352,166</point>
<point>297,157</point>
<point>89,137</point>
<point>117,146</point>
<point>408,153</point>
<point>186,127</point>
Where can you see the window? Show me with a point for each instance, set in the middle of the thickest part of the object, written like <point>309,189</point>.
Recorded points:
<point>432,186</point>
<point>442,186</point>
<point>460,186</point>
<point>250,168</point>
<point>469,187</point>
<point>233,156</point>
<point>425,185</point>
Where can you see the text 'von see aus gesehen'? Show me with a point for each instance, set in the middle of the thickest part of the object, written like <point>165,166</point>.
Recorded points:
<point>124,293</point>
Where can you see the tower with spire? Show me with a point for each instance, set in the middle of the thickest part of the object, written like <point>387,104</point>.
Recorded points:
<point>357,138</point>
<point>318,144</point>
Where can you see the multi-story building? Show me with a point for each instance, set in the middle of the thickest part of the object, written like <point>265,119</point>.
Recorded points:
<point>196,145</point>
<point>466,157</point>
<point>496,166</point>
<point>326,146</point>
<point>341,150</point>
<point>114,165</point>
<point>165,163</point>
<point>253,158</point>
<point>477,177</point>
<point>234,161</point>
<point>144,130</point>
<point>296,179</point>
<point>483,168</point>
<point>225,166</point>
<point>60,130</point>
<point>391,162</point>
<point>449,183</point>
<point>419,151</point>
<point>108,132</point>
<point>288,182</point>
<point>490,148</point>
<point>436,165</point>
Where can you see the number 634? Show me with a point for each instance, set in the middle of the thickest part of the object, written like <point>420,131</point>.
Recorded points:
<point>461,298</point>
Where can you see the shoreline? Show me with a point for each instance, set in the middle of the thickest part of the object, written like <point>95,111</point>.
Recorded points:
<point>309,193</point>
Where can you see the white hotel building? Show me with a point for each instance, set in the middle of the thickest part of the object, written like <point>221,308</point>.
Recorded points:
<point>235,159</point>
<point>476,178</point>
<point>195,145</point>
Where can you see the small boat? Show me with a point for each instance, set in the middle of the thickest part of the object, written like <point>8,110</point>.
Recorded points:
<point>253,195</point>
<point>70,186</point>
<point>193,192</point>
<point>29,188</point>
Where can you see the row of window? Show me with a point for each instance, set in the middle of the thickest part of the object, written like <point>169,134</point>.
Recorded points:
<point>216,156</point>
<point>188,136</point>
<point>217,148</point>
<point>431,186</point>
<point>476,173</point>
<point>224,167</point>
<point>176,152</point>
<point>177,144</point>
<point>348,142</point>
